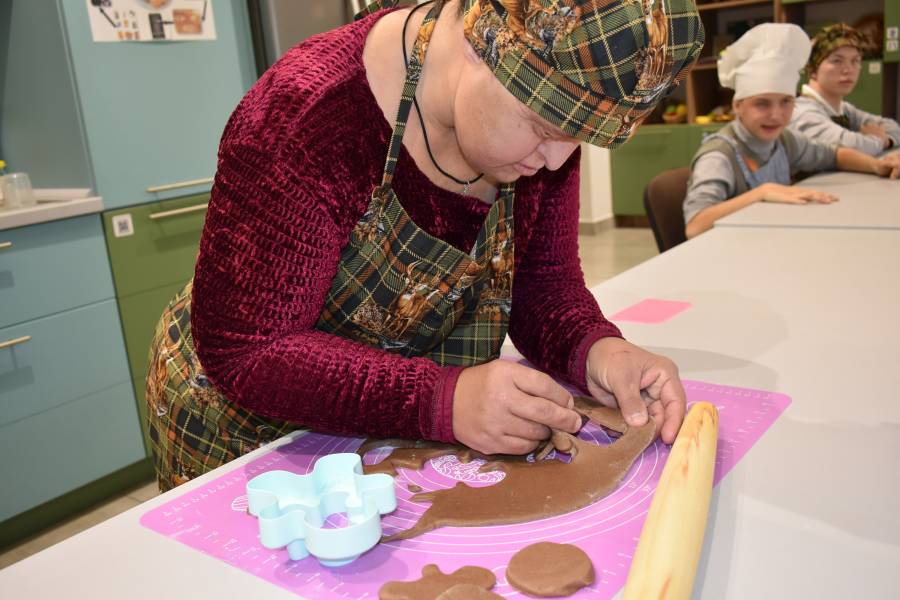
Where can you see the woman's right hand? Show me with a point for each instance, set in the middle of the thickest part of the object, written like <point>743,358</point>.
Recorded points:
<point>775,192</point>
<point>502,407</point>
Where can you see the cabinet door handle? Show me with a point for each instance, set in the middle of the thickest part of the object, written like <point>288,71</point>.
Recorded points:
<point>179,211</point>
<point>14,342</point>
<point>5,245</point>
<point>178,185</point>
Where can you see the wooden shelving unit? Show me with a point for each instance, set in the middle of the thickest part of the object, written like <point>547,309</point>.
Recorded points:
<point>729,4</point>
<point>702,90</point>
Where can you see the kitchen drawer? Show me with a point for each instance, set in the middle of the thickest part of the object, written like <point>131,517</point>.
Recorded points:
<point>140,314</point>
<point>68,356</point>
<point>51,267</point>
<point>49,454</point>
<point>160,246</point>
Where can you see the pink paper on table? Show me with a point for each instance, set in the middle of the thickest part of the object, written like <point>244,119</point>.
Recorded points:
<point>213,518</point>
<point>651,311</point>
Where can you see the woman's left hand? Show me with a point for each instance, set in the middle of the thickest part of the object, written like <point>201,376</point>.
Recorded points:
<point>620,374</point>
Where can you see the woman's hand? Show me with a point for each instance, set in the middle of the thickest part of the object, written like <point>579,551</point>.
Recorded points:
<point>620,374</point>
<point>774,192</point>
<point>502,407</point>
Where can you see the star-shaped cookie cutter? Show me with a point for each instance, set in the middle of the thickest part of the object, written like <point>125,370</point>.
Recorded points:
<point>292,509</point>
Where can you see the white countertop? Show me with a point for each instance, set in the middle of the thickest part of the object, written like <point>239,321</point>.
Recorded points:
<point>811,510</point>
<point>49,211</point>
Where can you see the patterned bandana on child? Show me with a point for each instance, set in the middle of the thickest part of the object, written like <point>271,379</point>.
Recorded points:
<point>833,37</point>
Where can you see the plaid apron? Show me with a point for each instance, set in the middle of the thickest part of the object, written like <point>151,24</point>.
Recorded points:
<point>397,288</point>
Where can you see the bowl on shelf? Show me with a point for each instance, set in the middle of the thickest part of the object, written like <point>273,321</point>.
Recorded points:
<point>672,119</point>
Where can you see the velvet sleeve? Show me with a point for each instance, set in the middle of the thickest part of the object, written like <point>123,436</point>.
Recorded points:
<point>269,252</point>
<point>555,319</point>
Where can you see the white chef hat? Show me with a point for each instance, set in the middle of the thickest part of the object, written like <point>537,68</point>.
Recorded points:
<point>765,60</point>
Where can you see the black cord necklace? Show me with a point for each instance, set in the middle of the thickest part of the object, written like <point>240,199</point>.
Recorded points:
<point>461,182</point>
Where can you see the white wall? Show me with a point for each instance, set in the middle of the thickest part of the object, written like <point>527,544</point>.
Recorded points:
<point>596,185</point>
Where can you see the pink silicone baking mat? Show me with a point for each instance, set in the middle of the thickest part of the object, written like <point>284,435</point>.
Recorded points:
<point>213,518</point>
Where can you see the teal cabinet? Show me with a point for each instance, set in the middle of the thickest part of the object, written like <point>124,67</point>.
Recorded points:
<point>59,450</point>
<point>66,356</point>
<point>154,112</point>
<point>67,414</point>
<point>138,122</point>
<point>50,267</point>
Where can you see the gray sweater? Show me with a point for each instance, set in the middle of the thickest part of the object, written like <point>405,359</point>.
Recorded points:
<point>812,118</point>
<point>714,180</point>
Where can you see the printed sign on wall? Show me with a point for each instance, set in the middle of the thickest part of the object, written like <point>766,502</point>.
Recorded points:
<point>151,20</point>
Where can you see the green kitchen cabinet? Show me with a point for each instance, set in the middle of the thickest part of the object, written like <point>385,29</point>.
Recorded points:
<point>152,251</point>
<point>140,313</point>
<point>154,244</point>
<point>868,94</point>
<point>654,148</point>
<point>891,31</point>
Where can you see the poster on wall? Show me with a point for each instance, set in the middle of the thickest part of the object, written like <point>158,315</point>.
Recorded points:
<point>151,20</point>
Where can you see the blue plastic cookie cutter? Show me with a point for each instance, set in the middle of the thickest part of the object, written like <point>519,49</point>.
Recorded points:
<point>292,509</point>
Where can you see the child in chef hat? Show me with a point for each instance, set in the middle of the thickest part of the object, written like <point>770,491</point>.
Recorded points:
<point>753,158</point>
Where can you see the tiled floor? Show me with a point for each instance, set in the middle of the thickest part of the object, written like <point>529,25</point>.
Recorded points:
<point>603,255</point>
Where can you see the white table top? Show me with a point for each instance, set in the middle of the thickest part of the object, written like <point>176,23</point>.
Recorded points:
<point>866,202</point>
<point>810,512</point>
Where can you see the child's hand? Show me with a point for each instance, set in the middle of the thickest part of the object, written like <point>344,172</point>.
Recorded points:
<point>774,192</point>
<point>889,166</point>
<point>876,130</point>
<point>502,407</point>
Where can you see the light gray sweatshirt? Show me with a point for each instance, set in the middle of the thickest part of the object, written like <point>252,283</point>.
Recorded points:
<point>812,117</point>
<point>713,179</point>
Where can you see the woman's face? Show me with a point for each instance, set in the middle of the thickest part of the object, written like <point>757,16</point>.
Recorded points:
<point>499,135</point>
<point>765,115</point>
<point>838,73</point>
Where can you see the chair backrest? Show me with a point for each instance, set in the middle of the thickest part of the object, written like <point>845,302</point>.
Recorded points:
<point>663,200</point>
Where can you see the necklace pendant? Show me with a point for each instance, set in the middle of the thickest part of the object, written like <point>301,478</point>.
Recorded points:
<point>465,190</point>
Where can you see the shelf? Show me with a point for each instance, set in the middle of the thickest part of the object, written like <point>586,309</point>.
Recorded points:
<point>730,4</point>
<point>705,66</point>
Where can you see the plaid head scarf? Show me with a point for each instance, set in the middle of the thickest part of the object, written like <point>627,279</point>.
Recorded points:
<point>593,68</point>
<point>833,37</point>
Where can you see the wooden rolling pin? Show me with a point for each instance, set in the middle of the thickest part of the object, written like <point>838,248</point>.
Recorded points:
<point>665,561</point>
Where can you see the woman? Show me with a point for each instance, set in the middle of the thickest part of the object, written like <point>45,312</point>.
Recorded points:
<point>319,302</point>
<point>822,113</point>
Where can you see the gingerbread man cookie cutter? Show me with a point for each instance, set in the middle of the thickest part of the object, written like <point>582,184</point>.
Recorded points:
<point>292,509</point>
